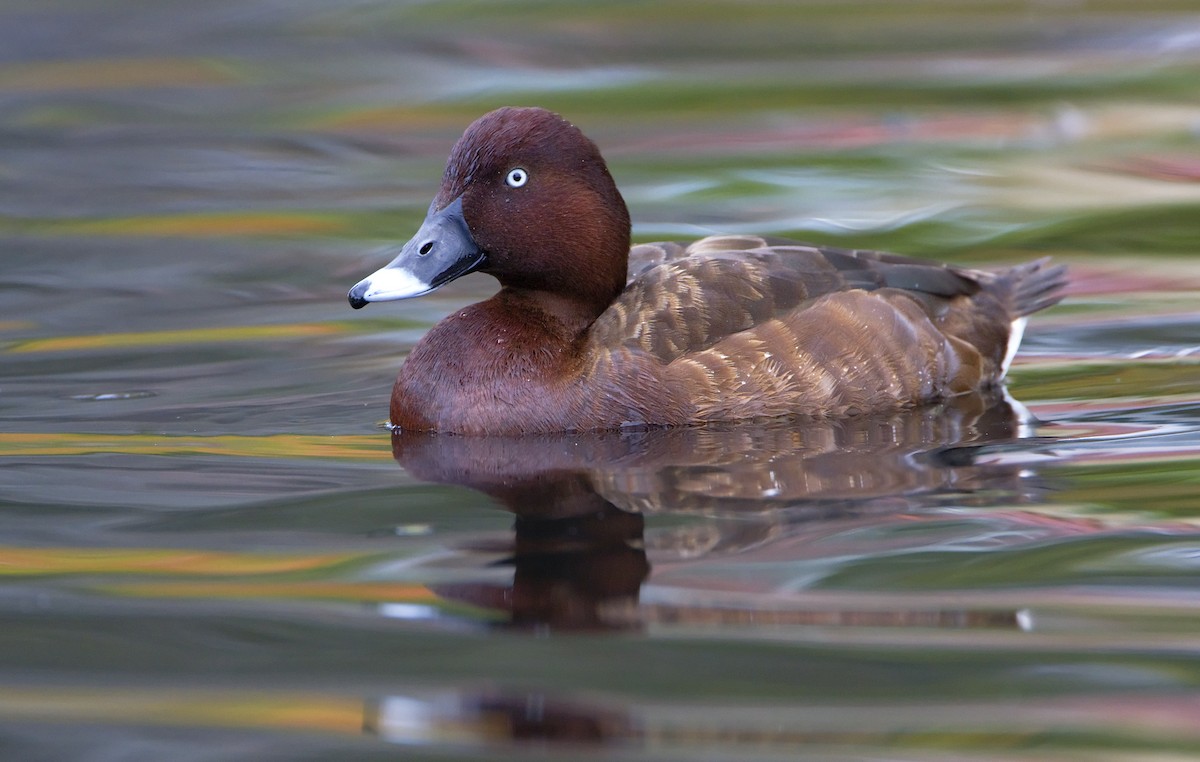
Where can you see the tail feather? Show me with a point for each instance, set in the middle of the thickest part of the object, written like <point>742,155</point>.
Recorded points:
<point>1036,286</point>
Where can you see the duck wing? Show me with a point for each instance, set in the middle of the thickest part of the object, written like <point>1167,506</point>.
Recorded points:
<point>681,300</point>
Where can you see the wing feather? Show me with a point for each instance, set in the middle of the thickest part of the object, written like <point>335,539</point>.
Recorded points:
<point>687,299</point>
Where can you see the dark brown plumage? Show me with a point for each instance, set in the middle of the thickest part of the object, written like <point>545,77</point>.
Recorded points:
<point>585,334</point>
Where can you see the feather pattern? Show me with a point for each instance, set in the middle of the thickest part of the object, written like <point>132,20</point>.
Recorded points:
<point>754,327</point>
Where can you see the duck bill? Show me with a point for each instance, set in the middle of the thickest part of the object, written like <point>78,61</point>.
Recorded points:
<point>442,250</point>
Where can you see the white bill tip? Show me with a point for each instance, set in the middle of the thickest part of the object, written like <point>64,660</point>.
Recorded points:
<point>391,283</point>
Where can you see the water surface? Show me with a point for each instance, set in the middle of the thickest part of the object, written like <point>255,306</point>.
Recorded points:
<point>210,550</point>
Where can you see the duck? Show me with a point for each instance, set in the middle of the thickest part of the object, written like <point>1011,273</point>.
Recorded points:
<point>589,333</point>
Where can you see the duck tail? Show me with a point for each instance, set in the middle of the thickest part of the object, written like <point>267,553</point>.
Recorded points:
<point>1035,286</point>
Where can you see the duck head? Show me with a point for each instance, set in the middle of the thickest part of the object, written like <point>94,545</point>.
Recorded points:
<point>526,198</point>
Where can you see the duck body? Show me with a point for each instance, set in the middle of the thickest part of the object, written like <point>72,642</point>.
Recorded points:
<point>587,334</point>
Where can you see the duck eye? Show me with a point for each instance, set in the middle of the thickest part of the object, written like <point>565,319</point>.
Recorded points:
<point>516,177</point>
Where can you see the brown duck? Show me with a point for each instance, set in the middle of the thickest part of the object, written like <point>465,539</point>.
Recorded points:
<point>586,334</point>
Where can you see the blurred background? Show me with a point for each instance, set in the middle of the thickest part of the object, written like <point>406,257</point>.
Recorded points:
<point>207,550</point>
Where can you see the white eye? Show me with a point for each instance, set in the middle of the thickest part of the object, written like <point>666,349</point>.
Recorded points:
<point>516,177</point>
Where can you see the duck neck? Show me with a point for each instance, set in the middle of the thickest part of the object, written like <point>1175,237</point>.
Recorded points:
<point>570,313</point>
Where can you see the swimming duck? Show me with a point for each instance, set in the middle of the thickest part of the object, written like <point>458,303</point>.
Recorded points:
<point>586,334</point>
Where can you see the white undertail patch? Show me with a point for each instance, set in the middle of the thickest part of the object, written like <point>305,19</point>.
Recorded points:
<point>1015,335</point>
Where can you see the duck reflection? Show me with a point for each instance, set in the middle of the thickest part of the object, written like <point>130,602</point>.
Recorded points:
<point>483,719</point>
<point>580,500</point>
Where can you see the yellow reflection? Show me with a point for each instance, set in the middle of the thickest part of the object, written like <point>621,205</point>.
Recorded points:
<point>374,592</point>
<point>215,708</point>
<point>216,224</point>
<point>179,336</point>
<point>55,561</point>
<point>272,446</point>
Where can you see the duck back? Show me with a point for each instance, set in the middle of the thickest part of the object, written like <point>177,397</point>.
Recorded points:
<point>753,327</point>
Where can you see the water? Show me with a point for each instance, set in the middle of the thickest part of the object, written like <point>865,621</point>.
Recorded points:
<point>210,550</point>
